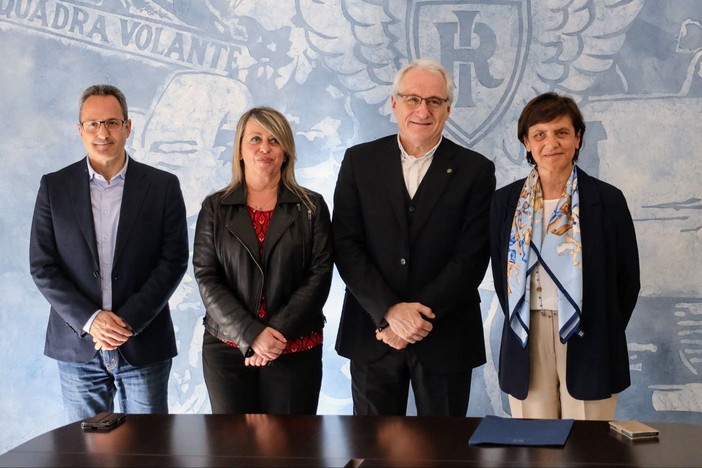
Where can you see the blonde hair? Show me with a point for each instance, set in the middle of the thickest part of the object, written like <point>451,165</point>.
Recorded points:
<point>276,123</point>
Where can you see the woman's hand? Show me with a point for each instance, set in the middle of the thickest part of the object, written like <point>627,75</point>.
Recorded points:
<point>267,346</point>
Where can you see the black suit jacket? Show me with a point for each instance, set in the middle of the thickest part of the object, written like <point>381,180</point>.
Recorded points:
<point>151,256</point>
<point>438,261</point>
<point>597,363</point>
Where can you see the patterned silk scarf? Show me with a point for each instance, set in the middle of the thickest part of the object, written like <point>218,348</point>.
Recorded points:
<point>559,252</point>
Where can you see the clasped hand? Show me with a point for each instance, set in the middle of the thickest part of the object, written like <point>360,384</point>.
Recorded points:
<point>109,331</point>
<point>267,346</point>
<point>408,320</point>
<point>387,336</point>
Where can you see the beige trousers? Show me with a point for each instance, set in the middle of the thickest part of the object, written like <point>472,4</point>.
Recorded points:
<point>548,397</point>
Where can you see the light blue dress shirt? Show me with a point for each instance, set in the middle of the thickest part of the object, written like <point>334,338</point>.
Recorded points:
<point>106,200</point>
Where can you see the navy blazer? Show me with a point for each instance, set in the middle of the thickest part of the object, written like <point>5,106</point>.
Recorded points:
<point>597,363</point>
<point>151,256</point>
<point>438,259</point>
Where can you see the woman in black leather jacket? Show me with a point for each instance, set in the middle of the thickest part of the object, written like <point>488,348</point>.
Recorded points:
<point>263,263</point>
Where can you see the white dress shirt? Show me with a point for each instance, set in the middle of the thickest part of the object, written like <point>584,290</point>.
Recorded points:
<point>415,168</point>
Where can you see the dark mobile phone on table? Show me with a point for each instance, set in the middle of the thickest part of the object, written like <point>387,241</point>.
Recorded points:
<point>103,421</point>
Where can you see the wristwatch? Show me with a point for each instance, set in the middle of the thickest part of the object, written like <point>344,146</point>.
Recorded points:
<point>382,326</point>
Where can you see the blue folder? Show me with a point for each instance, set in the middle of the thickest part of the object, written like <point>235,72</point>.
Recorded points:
<point>494,430</point>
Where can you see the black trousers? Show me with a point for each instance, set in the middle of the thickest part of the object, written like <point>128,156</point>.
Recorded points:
<point>382,388</point>
<point>290,385</point>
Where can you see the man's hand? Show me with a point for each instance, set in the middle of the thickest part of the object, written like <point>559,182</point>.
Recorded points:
<point>408,320</point>
<point>109,331</point>
<point>267,346</point>
<point>387,336</point>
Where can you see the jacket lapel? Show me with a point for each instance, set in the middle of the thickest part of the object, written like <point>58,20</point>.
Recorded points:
<point>79,189</point>
<point>433,185</point>
<point>136,187</point>
<point>280,221</point>
<point>240,224</point>
<point>390,173</point>
<point>590,216</point>
<point>241,227</point>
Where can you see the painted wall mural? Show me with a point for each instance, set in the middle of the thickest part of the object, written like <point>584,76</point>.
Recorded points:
<point>190,68</point>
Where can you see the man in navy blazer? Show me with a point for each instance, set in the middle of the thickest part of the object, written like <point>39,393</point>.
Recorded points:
<point>108,247</point>
<point>410,229</point>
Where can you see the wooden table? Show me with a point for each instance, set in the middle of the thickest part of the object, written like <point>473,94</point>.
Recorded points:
<point>261,440</point>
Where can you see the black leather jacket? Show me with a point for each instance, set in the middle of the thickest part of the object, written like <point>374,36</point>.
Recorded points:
<point>294,274</point>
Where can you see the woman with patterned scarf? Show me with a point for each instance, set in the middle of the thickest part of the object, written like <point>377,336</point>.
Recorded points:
<point>566,271</point>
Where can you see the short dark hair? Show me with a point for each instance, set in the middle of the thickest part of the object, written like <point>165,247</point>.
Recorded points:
<point>104,90</point>
<point>545,108</point>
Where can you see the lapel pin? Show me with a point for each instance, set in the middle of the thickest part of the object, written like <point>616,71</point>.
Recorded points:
<point>449,170</point>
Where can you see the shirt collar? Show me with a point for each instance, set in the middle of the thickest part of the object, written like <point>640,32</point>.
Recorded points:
<point>121,174</point>
<point>406,156</point>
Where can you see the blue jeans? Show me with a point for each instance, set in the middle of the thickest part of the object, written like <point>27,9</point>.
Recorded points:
<point>90,388</point>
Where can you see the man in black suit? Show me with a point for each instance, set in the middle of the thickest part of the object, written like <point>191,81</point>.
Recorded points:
<point>108,247</point>
<point>411,243</point>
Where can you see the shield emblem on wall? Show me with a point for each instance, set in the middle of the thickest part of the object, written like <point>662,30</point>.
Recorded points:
<point>484,44</point>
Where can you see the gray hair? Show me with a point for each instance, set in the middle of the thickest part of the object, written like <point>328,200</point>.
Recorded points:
<point>104,90</point>
<point>430,66</point>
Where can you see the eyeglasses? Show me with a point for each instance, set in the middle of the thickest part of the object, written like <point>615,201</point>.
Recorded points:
<point>93,126</point>
<point>412,100</point>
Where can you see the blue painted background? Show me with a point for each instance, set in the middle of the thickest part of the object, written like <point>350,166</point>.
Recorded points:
<point>189,68</point>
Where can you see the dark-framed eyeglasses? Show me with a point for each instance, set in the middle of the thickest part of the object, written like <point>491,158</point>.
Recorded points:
<point>412,100</point>
<point>93,126</point>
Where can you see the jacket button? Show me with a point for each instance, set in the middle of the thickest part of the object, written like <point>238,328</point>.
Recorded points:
<point>403,261</point>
